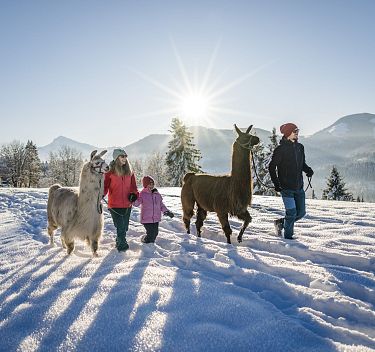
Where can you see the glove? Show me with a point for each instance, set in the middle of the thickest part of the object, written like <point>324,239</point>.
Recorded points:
<point>132,197</point>
<point>169,213</point>
<point>310,173</point>
<point>277,188</point>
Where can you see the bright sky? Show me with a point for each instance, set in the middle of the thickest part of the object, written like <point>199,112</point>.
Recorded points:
<point>111,72</point>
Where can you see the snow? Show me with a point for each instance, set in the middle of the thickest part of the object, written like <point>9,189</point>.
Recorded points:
<point>339,130</point>
<point>183,293</point>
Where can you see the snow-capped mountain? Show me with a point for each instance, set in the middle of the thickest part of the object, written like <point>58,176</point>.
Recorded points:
<point>349,144</point>
<point>61,141</point>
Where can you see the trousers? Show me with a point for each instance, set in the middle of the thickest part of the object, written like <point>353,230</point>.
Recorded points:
<point>295,209</point>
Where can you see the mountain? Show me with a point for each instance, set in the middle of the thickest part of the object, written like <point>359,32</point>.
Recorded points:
<point>349,144</point>
<point>61,141</point>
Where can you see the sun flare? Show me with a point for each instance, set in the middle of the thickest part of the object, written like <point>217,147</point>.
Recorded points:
<point>194,107</point>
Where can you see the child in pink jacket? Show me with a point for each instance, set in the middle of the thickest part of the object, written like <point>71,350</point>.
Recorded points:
<point>152,207</point>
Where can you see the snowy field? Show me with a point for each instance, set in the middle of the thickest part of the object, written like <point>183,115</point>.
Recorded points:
<point>315,293</point>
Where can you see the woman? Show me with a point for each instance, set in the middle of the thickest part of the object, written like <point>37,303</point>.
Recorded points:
<point>122,190</point>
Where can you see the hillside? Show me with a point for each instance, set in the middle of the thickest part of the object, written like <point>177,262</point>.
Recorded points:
<point>315,293</point>
<point>349,144</point>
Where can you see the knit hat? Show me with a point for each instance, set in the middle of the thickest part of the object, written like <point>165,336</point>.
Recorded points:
<point>118,152</point>
<point>146,180</point>
<point>287,128</point>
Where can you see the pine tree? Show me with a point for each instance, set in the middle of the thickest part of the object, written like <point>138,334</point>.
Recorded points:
<point>182,156</point>
<point>261,171</point>
<point>33,168</point>
<point>336,187</point>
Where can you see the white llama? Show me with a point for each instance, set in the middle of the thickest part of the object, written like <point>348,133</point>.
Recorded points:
<point>78,211</point>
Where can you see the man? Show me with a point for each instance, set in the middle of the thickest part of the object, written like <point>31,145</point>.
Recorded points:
<point>286,166</point>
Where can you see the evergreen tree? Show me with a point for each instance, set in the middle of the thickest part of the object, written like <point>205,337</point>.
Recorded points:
<point>336,187</point>
<point>33,168</point>
<point>313,196</point>
<point>261,171</point>
<point>261,178</point>
<point>182,156</point>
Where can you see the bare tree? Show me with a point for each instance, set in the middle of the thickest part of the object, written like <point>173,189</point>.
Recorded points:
<point>137,166</point>
<point>13,157</point>
<point>65,166</point>
<point>156,167</point>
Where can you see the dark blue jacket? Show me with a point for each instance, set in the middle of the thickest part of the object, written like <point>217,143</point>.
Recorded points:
<point>287,164</point>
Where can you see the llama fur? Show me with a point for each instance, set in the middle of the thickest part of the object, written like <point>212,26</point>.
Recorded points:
<point>78,210</point>
<point>228,194</point>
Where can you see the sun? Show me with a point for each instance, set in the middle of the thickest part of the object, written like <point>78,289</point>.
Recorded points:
<point>194,107</point>
<point>197,98</point>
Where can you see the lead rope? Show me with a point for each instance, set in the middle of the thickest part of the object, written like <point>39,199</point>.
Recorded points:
<point>270,187</point>
<point>99,207</point>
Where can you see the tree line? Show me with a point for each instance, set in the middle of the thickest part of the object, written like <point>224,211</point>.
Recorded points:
<point>20,165</point>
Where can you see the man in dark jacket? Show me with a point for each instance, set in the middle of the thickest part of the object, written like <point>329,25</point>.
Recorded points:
<point>286,166</point>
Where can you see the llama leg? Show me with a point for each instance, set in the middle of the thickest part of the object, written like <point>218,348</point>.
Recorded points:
<point>247,219</point>
<point>94,247</point>
<point>201,215</point>
<point>187,201</point>
<point>51,229</point>
<point>67,242</point>
<point>186,218</point>
<point>223,218</point>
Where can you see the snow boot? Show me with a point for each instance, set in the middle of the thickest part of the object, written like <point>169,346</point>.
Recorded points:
<point>279,226</point>
<point>121,244</point>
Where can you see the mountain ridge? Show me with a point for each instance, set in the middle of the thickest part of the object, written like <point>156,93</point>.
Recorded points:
<point>349,143</point>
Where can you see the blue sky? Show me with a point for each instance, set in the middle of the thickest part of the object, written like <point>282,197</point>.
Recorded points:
<point>111,72</point>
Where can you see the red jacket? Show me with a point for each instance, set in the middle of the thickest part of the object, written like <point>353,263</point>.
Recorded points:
<point>119,188</point>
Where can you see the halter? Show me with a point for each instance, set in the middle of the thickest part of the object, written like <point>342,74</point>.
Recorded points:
<point>98,168</point>
<point>244,145</point>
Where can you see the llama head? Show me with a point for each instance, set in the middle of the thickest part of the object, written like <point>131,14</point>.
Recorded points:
<point>245,139</point>
<point>97,164</point>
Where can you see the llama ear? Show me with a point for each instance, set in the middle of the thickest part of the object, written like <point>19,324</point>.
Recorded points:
<point>238,130</point>
<point>102,153</point>
<point>92,154</point>
<point>249,129</point>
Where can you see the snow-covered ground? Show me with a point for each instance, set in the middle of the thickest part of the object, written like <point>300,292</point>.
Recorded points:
<point>315,293</point>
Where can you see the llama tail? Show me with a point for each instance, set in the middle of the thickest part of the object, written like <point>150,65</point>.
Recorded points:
<point>188,176</point>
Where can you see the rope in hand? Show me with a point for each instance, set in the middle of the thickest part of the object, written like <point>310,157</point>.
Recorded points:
<point>270,187</point>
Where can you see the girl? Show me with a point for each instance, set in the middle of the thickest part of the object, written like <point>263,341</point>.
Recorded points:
<point>152,206</point>
<point>121,185</point>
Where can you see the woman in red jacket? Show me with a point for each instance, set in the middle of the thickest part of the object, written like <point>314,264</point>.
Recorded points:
<point>122,190</point>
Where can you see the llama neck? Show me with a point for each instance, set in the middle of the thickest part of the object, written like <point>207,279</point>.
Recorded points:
<point>240,174</point>
<point>90,187</point>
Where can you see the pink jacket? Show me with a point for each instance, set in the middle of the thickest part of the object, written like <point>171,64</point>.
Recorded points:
<point>151,206</point>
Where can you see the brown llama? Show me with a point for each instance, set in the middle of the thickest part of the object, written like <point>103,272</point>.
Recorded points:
<point>78,211</point>
<point>228,194</point>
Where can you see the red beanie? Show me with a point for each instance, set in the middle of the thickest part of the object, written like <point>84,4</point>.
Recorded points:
<point>287,128</point>
<point>147,180</point>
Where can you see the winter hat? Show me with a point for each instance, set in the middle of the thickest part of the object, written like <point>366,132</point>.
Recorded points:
<point>118,152</point>
<point>147,180</point>
<point>287,128</point>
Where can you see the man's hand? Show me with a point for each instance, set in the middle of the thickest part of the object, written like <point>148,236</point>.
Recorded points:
<point>132,197</point>
<point>277,188</point>
<point>310,172</point>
